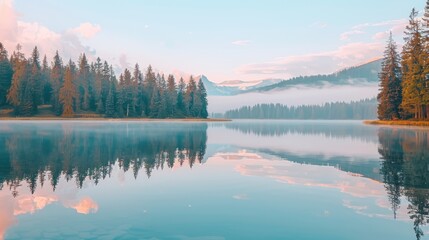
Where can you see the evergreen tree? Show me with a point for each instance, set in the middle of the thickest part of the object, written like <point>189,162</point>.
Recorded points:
<point>6,73</point>
<point>20,74</point>
<point>181,102</point>
<point>202,100</point>
<point>68,93</point>
<point>84,84</point>
<point>128,94</point>
<point>413,74</point>
<point>46,82</point>
<point>149,84</point>
<point>171,96</point>
<point>111,100</point>
<point>34,83</point>
<point>191,88</point>
<point>138,91</point>
<point>390,97</point>
<point>56,83</point>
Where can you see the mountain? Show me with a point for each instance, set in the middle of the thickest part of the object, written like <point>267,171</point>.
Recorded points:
<point>364,74</point>
<point>215,90</point>
<point>247,85</point>
<point>360,75</point>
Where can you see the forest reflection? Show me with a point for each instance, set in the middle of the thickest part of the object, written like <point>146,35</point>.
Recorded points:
<point>329,129</point>
<point>40,153</point>
<point>405,170</point>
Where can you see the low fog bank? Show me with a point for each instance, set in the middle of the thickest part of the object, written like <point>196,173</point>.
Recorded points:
<point>293,97</point>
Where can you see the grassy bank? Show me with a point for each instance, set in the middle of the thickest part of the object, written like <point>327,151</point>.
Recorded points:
<point>399,123</point>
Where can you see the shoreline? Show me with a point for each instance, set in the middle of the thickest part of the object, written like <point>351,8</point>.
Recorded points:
<point>409,123</point>
<point>114,119</point>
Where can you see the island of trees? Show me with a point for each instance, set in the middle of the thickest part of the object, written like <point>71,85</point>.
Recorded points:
<point>404,79</point>
<point>91,89</point>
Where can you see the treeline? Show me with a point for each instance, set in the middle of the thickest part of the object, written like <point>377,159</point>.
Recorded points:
<point>364,109</point>
<point>93,88</point>
<point>404,79</point>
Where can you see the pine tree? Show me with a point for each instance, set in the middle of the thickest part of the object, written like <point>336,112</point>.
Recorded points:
<point>182,109</point>
<point>20,74</point>
<point>149,84</point>
<point>34,82</point>
<point>128,94</point>
<point>138,89</point>
<point>56,83</point>
<point>426,57</point>
<point>191,89</point>
<point>413,76</point>
<point>68,93</point>
<point>46,82</point>
<point>171,96</point>
<point>6,73</point>
<point>84,84</point>
<point>111,100</point>
<point>390,97</point>
<point>202,98</point>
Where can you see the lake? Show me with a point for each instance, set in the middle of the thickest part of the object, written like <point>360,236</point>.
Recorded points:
<point>233,180</point>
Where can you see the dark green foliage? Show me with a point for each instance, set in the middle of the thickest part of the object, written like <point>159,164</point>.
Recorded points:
<point>6,73</point>
<point>365,109</point>
<point>26,83</point>
<point>390,96</point>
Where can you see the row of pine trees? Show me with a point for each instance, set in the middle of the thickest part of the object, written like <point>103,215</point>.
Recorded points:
<point>404,79</point>
<point>93,88</point>
<point>364,109</point>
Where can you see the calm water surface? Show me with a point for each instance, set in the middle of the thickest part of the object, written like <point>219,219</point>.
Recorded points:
<point>236,180</point>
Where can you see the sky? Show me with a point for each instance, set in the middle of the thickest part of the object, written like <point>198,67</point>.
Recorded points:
<point>222,39</point>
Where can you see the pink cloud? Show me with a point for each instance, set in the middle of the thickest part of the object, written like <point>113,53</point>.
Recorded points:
<point>85,206</point>
<point>319,63</point>
<point>30,34</point>
<point>87,30</point>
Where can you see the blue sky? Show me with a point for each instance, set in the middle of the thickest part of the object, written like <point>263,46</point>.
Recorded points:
<point>223,39</point>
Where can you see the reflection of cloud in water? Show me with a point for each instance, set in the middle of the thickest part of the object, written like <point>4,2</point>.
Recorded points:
<point>85,206</point>
<point>27,203</point>
<point>356,187</point>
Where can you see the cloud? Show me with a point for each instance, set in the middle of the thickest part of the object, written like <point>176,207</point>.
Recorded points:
<point>241,42</point>
<point>319,63</point>
<point>381,29</point>
<point>30,34</point>
<point>347,35</point>
<point>87,30</point>
<point>85,206</point>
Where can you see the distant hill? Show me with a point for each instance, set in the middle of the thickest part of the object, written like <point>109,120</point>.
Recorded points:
<point>359,75</point>
<point>363,74</point>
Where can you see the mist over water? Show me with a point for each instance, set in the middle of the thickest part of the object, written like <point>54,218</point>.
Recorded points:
<point>294,97</point>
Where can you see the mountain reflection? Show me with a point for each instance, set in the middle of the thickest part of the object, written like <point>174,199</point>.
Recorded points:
<point>36,153</point>
<point>405,170</point>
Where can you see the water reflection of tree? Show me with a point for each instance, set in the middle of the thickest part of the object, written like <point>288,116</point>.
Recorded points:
<point>35,154</point>
<point>332,129</point>
<point>405,168</point>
